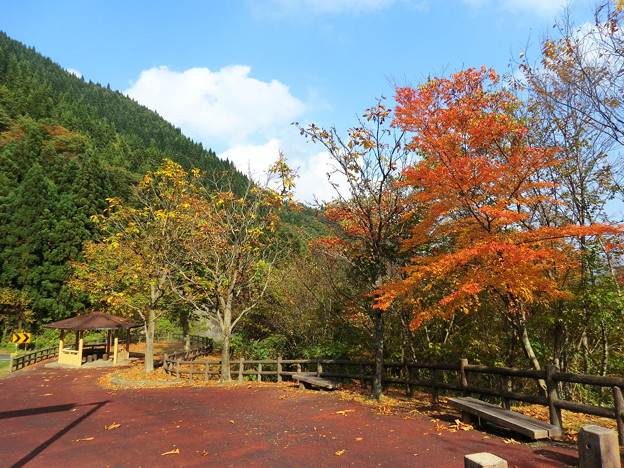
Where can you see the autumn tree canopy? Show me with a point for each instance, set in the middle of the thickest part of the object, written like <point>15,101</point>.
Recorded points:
<point>131,268</point>
<point>476,184</point>
<point>229,251</point>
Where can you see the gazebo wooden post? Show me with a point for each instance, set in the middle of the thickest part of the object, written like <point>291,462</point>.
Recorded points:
<point>61,342</point>
<point>108,342</point>
<point>80,338</point>
<point>115,346</point>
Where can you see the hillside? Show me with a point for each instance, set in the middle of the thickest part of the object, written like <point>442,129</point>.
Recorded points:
<point>65,146</point>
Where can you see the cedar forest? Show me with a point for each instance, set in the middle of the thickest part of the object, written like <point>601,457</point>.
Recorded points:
<point>475,220</point>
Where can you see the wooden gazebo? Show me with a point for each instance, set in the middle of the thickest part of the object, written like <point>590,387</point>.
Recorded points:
<point>93,321</point>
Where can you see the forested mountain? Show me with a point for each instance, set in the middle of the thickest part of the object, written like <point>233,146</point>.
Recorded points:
<point>65,146</point>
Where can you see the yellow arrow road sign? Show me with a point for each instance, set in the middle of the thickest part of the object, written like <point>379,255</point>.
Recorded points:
<point>20,338</point>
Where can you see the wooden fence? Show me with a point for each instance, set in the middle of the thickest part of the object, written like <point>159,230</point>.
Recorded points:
<point>19,362</point>
<point>194,339</point>
<point>506,384</point>
<point>28,359</point>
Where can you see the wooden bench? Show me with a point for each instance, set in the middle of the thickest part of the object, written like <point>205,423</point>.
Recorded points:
<point>511,420</point>
<point>310,380</point>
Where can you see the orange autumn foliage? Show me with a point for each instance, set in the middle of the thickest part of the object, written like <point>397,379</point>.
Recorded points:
<point>476,188</point>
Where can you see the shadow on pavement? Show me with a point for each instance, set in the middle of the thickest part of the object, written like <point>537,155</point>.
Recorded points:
<point>33,411</point>
<point>59,434</point>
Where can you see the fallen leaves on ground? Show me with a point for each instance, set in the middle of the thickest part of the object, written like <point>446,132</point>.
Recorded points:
<point>461,426</point>
<point>85,439</point>
<point>340,452</point>
<point>572,422</point>
<point>171,452</point>
<point>511,441</point>
<point>344,412</point>
<point>112,426</point>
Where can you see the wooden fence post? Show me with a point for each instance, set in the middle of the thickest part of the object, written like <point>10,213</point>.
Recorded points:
<point>598,448</point>
<point>463,378</point>
<point>408,385</point>
<point>362,376</point>
<point>241,367</point>
<point>619,413</point>
<point>279,368</point>
<point>319,367</point>
<point>505,387</point>
<point>178,368</point>
<point>259,372</point>
<point>434,388</point>
<point>553,396</point>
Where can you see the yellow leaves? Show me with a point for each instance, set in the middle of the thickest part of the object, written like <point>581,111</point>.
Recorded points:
<point>511,441</point>
<point>112,426</point>
<point>461,426</point>
<point>86,439</point>
<point>344,412</point>
<point>171,452</point>
<point>340,452</point>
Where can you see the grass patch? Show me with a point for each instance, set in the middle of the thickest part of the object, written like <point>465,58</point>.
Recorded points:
<point>4,368</point>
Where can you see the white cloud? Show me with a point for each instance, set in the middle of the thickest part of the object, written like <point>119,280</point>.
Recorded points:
<point>243,119</point>
<point>253,159</point>
<point>277,7</point>
<point>74,72</point>
<point>313,184</point>
<point>543,8</point>
<point>224,107</point>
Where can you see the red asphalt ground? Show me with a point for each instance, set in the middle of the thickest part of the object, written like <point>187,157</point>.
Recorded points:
<point>58,418</point>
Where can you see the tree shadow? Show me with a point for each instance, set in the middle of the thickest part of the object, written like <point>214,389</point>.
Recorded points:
<point>45,410</point>
<point>33,411</point>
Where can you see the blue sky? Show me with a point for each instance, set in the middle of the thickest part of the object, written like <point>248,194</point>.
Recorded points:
<point>234,74</point>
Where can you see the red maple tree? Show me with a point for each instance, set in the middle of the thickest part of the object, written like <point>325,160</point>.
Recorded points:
<point>476,187</point>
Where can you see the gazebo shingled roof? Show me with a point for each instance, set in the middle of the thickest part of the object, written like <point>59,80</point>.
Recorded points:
<point>94,321</point>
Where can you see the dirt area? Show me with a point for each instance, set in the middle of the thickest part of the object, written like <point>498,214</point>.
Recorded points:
<point>56,417</point>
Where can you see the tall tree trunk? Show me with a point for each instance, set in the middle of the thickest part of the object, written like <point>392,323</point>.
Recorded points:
<point>586,352</point>
<point>184,321</point>
<point>605,349</point>
<point>150,326</point>
<point>409,336</point>
<point>523,335</point>
<point>226,332</point>
<point>377,387</point>
<point>225,358</point>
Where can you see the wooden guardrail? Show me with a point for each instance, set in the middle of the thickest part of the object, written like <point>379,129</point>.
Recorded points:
<point>28,359</point>
<point>461,377</point>
<point>19,362</point>
<point>180,337</point>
